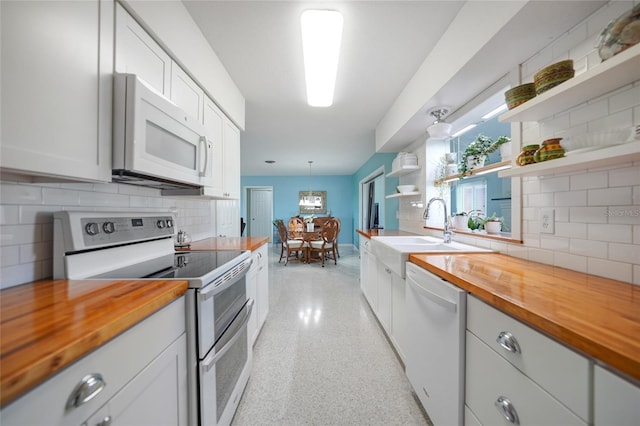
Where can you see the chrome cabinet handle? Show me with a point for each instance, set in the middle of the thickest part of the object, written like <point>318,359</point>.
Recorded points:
<point>509,342</point>
<point>86,390</point>
<point>105,422</point>
<point>506,408</point>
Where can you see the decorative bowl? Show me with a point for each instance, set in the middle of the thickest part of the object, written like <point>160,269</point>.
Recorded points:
<point>519,94</point>
<point>554,74</point>
<point>406,188</point>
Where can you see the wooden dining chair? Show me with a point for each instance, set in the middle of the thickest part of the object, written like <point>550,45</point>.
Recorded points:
<point>291,248</point>
<point>296,228</point>
<point>326,245</point>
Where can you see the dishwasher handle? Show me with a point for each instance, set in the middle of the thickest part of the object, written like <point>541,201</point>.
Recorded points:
<point>436,298</point>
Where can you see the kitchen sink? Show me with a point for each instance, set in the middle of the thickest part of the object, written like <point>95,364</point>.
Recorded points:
<point>394,251</point>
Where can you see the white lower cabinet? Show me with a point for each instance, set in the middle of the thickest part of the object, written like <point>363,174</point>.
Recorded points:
<point>616,400</point>
<point>368,272</point>
<point>516,374</point>
<point>384,280</point>
<point>258,290</point>
<point>144,371</point>
<point>398,314</point>
<point>390,306</point>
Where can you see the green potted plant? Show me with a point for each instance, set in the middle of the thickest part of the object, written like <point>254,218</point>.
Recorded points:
<point>493,224</point>
<point>476,153</point>
<point>461,220</point>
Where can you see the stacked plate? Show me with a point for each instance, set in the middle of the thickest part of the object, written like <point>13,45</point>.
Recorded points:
<point>554,74</point>
<point>596,140</point>
<point>519,94</point>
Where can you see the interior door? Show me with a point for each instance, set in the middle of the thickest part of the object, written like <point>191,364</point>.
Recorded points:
<point>260,212</point>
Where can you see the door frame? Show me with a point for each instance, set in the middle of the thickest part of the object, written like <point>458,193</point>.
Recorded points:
<point>246,190</point>
<point>362,196</point>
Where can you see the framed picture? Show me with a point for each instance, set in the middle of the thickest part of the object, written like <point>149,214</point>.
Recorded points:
<point>311,202</point>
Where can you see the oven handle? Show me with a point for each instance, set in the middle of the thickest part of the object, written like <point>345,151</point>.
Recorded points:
<point>211,290</point>
<point>242,319</point>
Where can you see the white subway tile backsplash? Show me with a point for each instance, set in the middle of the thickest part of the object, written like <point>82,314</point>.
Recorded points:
<point>628,176</point>
<point>588,214</point>
<point>625,100</point>
<point>36,251</point>
<point>610,232</point>
<point>18,274</point>
<point>571,230</point>
<point>636,274</point>
<point>61,196</point>
<point>588,112</point>
<point>589,248</point>
<point>619,120</point>
<point>610,196</point>
<point>10,255</point>
<point>20,234</point>
<point>610,269</point>
<point>20,194</point>
<point>37,214</point>
<point>554,184</point>
<point>540,200</point>
<point>562,214</point>
<point>589,180</point>
<point>570,39</point>
<point>550,127</point>
<point>624,252</point>
<point>636,234</point>
<point>554,243</point>
<point>100,199</point>
<point>570,261</point>
<point>624,215</point>
<point>9,215</point>
<point>540,255</point>
<point>570,198</point>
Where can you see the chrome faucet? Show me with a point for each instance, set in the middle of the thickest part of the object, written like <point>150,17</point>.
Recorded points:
<point>447,234</point>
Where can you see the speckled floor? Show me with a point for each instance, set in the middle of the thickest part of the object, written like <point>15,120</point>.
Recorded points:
<point>321,358</point>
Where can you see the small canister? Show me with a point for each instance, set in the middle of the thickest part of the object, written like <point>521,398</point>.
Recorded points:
<point>549,150</point>
<point>526,155</point>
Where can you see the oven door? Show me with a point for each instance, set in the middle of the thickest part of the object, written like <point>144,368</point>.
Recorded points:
<point>217,305</point>
<point>225,371</point>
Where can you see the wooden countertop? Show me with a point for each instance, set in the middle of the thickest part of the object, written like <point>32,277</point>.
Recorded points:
<point>229,243</point>
<point>595,315</point>
<point>382,232</point>
<point>47,325</point>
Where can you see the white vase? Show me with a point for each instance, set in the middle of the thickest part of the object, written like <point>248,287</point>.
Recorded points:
<point>310,227</point>
<point>460,222</point>
<point>492,227</point>
<point>474,162</point>
<point>505,151</point>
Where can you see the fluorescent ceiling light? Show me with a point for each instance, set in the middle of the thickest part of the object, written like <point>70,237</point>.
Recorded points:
<point>494,112</point>
<point>463,130</point>
<point>321,36</point>
<point>493,169</point>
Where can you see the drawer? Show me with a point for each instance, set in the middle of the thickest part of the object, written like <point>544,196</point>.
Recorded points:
<point>616,401</point>
<point>489,377</point>
<point>560,371</point>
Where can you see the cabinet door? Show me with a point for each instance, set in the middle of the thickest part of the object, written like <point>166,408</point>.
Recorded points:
<point>231,160</point>
<point>616,401</point>
<point>252,293</point>
<point>57,88</point>
<point>137,53</point>
<point>156,396</point>
<point>263,285</point>
<point>227,218</point>
<point>384,296</point>
<point>213,120</point>
<point>186,93</point>
<point>371,279</point>
<point>399,313</point>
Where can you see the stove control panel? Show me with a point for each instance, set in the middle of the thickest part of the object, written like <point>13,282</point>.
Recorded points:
<point>116,230</point>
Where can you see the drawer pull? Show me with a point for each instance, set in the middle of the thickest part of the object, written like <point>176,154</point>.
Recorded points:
<point>509,342</point>
<point>86,390</point>
<point>506,408</point>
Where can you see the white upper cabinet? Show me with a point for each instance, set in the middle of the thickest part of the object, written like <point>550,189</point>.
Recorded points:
<point>137,53</point>
<point>57,63</point>
<point>226,152</point>
<point>186,93</point>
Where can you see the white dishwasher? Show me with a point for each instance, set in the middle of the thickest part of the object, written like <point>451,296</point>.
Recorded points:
<point>436,317</point>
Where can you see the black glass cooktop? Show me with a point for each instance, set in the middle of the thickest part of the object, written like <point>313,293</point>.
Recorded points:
<point>192,265</point>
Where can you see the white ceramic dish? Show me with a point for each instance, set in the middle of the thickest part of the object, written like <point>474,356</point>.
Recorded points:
<point>596,140</point>
<point>406,188</point>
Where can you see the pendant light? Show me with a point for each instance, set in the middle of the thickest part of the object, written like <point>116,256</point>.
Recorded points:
<point>439,129</point>
<point>308,202</point>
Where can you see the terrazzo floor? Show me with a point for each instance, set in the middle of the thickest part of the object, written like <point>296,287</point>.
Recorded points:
<point>321,357</point>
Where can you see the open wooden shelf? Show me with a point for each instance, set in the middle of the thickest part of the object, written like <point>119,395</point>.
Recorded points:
<point>603,157</point>
<point>491,168</point>
<point>404,170</point>
<point>616,72</point>
<point>404,194</point>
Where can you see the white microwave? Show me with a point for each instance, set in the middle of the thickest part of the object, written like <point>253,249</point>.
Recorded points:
<point>155,143</point>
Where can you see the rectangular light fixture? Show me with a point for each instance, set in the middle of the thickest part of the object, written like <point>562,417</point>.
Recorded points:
<point>321,37</point>
<point>463,130</point>
<point>495,112</point>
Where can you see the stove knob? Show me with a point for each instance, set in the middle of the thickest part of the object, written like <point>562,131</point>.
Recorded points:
<point>161,223</point>
<point>92,228</point>
<point>169,223</point>
<point>108,227</point>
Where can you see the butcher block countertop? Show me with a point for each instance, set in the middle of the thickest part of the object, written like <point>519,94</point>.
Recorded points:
<point>595,315</point>
<point>383,233</point>
<point>229,243</point>
<point>47,325</point>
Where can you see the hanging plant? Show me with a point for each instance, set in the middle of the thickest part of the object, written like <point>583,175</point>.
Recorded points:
<point>480,147</point>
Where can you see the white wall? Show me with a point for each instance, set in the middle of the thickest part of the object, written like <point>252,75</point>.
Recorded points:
<point>597,212</point>
<point>26,219</point>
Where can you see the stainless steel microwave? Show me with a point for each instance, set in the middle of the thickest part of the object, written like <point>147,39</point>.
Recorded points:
<point>155,143</point>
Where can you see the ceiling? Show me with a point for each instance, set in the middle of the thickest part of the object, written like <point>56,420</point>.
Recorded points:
<point>383,45</point>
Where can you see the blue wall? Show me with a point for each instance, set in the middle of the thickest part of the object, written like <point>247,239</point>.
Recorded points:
<point>342,194</point>
<point>286,189</point>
